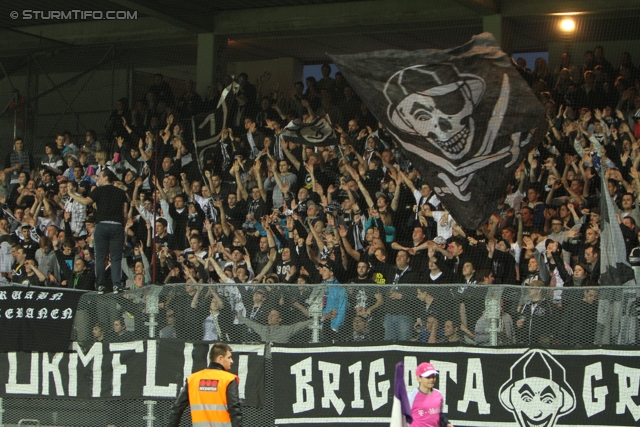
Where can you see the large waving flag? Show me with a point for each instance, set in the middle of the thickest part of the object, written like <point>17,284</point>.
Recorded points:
<point>463,116</point>
<point>616,308</point>
<point>209,122</point>
<point>400,411</point>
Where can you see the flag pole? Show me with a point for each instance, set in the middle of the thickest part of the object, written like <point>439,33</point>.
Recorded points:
<point>155,212</point>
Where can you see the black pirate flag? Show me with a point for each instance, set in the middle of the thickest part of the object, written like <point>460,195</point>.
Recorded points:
<point>317,132</point>
<point>463,116</point>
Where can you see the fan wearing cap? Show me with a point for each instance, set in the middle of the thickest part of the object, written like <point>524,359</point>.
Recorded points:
<point>426,401</point>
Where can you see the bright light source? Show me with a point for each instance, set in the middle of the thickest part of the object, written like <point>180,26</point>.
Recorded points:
<point>567,25</point>
<point>567,13</point>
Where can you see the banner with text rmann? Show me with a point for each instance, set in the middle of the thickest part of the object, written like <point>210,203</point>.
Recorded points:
<point>480,386</point>
<point>125,370</point>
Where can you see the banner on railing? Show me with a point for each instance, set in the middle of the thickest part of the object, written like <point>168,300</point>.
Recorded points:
<point>36,319</point>
<point>480,386</point>
<point>125,370</point>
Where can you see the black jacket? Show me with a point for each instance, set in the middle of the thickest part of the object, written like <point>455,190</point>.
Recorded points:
<point>454,266</point>
<point>66,272</point>
<point>504,268</point>
<point>233,402</point>
<point>85,281</point>
<point>540,326</point>
<point>180,223</point>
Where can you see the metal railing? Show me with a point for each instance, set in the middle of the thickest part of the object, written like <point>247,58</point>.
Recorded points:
<point>455,312</point>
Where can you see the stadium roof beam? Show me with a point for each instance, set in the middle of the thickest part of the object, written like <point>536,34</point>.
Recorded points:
<point>290,19</point>
<point>161,15</point>
<point>107,32</point>
<point>481,7</point>
<point>513,8</point>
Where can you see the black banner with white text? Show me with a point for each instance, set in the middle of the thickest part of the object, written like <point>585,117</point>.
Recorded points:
<point>128,370</point>
<point>36,319</point>
<point>480,386</point>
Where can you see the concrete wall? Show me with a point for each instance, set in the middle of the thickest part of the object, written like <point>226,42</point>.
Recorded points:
<point>180,72</point>
<point>283,71</point>
<point>96,100</point>
<point>91,98</point>
<point>6,120</point>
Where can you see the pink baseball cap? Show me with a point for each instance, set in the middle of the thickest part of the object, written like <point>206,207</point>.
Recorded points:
<point>426,369</point>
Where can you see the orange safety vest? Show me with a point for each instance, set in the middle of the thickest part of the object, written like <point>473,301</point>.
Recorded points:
<point>208,397</point>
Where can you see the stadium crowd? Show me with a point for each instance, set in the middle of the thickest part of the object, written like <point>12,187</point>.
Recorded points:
<point>266,211</point>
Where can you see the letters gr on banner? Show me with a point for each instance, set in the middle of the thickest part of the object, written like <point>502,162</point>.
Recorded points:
<point>127,370</point>
<point>480,386</point>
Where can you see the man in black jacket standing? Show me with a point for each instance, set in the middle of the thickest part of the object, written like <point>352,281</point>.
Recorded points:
<point>111,210</point>
<point>211,392</point>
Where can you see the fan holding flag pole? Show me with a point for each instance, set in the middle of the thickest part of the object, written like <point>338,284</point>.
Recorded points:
<point>423,406</point>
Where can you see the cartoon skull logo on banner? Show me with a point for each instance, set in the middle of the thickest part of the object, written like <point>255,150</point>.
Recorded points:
<point>537,393</point>
<point>464,117</point>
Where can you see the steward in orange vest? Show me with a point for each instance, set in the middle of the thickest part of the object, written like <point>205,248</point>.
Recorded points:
<point>212,394</point>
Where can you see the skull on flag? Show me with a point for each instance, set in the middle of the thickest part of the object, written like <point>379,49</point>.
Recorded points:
<point>436,102</point>
<point>463,116</point>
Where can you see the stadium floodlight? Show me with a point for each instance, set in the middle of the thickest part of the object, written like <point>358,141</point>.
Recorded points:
<point>567,25</point>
